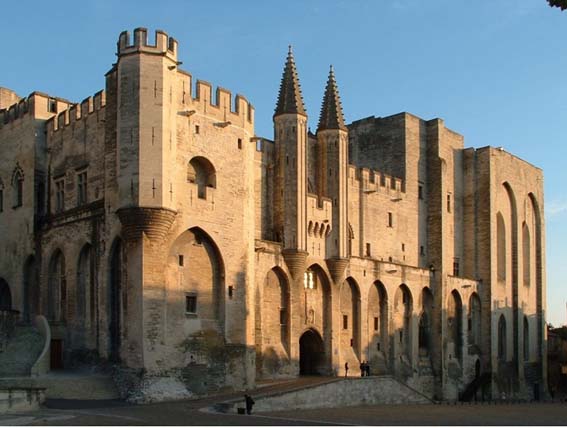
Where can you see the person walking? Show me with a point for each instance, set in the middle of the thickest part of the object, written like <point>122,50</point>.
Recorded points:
<point>362,368</point>
<point>346,369</point>
<point>367,368</point>
<point>249,404</point>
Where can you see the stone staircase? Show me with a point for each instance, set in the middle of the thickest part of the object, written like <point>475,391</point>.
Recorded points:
<point>21,352</point>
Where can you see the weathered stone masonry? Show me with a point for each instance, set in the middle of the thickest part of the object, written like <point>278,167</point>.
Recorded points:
<point>156,231</point>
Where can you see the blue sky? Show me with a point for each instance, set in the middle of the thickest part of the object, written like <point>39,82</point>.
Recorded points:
<point>495,70</point>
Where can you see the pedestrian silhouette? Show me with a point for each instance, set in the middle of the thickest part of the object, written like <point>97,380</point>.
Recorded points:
<point>367,368</point>
<point>346,369</point>
<point>249,403</point>
<point>362,369</point>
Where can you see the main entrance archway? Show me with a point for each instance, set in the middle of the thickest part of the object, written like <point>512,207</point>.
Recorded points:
<point>311,353</point>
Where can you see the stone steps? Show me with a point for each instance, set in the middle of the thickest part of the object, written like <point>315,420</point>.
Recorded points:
<point>21,352</point>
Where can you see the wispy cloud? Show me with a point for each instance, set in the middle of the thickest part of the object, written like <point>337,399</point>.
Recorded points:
<point>556,208</point>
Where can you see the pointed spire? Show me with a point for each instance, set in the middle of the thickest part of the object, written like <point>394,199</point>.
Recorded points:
<point>290,99</point>
<point>331,110</point>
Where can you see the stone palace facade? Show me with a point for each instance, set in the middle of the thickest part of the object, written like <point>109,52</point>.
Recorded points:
<point>155,230</point>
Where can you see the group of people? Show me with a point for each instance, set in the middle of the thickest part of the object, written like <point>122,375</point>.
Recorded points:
<point>364,369</point>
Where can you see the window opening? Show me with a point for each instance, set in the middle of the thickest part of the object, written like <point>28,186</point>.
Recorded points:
<point>59,195</point>
<point>82,188</point>
<point>191,303</point>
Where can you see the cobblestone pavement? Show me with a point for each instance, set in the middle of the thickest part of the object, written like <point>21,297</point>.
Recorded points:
<point>191,413</point>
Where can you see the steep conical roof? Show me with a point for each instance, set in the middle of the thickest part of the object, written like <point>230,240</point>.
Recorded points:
<point>331,110</point>
<point>290,99</point>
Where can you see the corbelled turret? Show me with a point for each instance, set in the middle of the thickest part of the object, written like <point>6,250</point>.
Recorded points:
<point>290,184</point>
<point>290,99</point>
<point>331,109</point>
<point>332,138</point>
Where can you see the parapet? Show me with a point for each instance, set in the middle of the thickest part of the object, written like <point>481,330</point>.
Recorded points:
<point>37,104</point>
<point>15,111</point>
<point>77,112</point>
<point>164,45</point>
<point>220,106</point>
<point>375,181</point>
<point>319,215</point>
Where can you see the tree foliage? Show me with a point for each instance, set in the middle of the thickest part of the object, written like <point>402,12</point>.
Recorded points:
<point>562,4</point>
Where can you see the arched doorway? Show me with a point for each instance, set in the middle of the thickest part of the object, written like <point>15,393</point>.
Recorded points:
<point>57,288</point>
<point>84,295</point>
<point>311,353</point>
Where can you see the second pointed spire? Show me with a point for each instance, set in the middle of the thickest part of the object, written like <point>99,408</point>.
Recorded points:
<point>331,110</point>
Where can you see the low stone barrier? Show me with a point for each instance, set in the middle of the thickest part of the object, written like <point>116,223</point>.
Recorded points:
<point>20,394</point>
<point>340,392</point>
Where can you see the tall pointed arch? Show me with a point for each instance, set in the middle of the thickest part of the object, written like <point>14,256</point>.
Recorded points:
<point>378,322</point>
<point>350,311</point>
<point>57,288</point>
<point>539,278</point>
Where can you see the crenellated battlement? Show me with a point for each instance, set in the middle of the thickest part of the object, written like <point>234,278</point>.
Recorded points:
<point>77,112</point>
<point>220,106</point>
<point>164,45</point>
<point>319,215</point>
<point>37,104</point>
<point>374,181</point>
<point>15,111</point>
<point>198,95</point>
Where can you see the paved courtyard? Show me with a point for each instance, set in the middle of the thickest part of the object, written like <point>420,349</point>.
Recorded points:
<point>193,413</point>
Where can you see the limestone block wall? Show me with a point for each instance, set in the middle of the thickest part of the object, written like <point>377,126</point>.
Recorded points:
<point>275,346</point>
<point>320,224</point>
<point>75,143</point>
<point>518,272</point>
<point>8,98</point>
<point>22,141</point>
<point>264,188</point>
<point>379,217</point>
